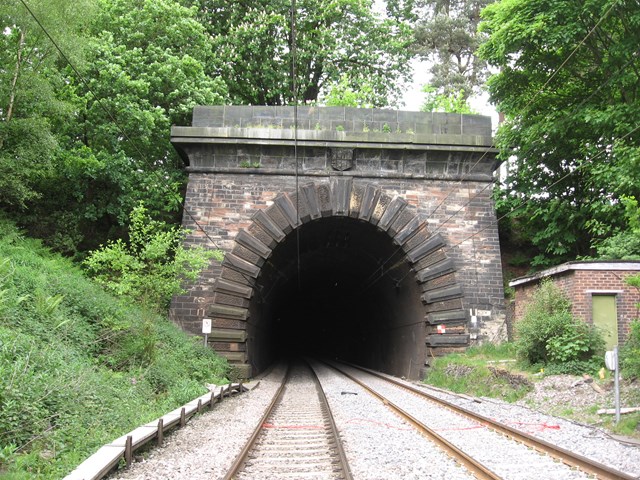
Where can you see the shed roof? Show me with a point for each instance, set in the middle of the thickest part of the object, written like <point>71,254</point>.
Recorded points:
<point>607,265</point>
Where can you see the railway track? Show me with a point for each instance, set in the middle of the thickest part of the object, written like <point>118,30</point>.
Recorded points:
<point>482,456</point>
<point>296,438</point>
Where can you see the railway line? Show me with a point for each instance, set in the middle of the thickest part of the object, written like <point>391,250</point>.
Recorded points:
<point>297,436</point>
<point>372,426</point>
<point>487,448</point>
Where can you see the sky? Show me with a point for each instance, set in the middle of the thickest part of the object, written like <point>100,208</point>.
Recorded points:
<point>414,98</point>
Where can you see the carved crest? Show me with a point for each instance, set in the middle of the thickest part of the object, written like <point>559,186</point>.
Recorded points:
<point>342,158</point>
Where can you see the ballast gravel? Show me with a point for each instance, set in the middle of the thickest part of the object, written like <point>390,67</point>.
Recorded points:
<point>585,440</point>
<point>207,446</point>
<point>378,444</point>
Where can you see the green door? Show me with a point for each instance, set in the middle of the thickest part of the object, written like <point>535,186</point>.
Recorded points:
<point>605,318</point>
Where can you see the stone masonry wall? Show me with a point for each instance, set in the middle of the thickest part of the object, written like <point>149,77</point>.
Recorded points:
<point>240,158</point>
<point>224,203</point>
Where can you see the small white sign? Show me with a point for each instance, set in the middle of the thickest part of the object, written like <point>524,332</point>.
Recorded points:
<point>611,359</point>
<point>206,325</point>
<point>483,313</point>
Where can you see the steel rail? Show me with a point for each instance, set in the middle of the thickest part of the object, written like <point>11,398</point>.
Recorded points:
<point>325,402</point>
<point>472,465</point>
<point>567,457</point>
<point>243,455</point>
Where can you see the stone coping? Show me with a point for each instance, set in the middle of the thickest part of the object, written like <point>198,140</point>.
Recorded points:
<point>337,124</point>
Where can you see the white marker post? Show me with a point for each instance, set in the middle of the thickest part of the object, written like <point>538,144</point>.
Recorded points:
<point>206,329</point>
<point>611,361</point>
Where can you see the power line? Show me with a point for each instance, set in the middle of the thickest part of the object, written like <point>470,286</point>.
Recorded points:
<point>294,86</point>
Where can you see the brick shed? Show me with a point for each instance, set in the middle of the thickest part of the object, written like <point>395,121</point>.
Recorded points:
<point>597,291</point>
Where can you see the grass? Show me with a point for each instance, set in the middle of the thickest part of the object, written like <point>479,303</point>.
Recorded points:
<point>474,373</point>
<point>79,367</point>
<point>484,371</point>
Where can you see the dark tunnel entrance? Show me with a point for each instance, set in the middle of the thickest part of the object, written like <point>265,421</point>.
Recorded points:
<point>351,295</point>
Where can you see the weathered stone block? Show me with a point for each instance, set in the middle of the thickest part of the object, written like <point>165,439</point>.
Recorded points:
<point>247,240</point>
<point>442,294</point>
<point>446,339</point>
<point>436,270</point>
<point>436,318</point>
<point>425,248</point>
<point>381,205</point>
<point>391,212</point>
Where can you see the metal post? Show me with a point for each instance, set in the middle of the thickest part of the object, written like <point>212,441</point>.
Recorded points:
<point>616,384</point>
<point>206,339</point>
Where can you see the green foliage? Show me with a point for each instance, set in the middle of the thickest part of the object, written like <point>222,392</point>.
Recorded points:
<point>548,333</point>
<point>81,145</point>
<point>446,34</point>
<point>79,368</point>
<point>452,102</point>
<point>151,267</point>
<point>630,352</point>
<point>343,94</point>
<point>574,367</point>
<point>628,425</point>
<point>625,245</point>
<point>30,105</point>
<point>339,44</point>
<point>570,112</point>
<point>469,373</point>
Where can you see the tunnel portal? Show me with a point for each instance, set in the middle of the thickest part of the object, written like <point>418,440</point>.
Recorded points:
<point>368,235</point>
<point>348,294</point>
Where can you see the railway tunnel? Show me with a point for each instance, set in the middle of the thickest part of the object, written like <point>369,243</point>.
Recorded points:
<point>339,236</point>
<point>341,288</point>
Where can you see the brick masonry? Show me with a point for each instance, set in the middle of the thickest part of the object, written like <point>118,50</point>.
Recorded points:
<point>581,281</point>
<point>438,168</point>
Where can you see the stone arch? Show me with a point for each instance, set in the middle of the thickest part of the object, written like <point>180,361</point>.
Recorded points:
<point>433,270</point>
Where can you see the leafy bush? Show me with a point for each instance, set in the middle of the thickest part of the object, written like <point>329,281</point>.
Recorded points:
<point>549,334</point>
<point>152,265</point>
<point>575,367</point>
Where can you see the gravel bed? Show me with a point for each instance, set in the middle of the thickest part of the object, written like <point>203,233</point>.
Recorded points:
<point>378,444</point>
<point>503,456</point>
<point>585,440</point>
<point>207,446</point>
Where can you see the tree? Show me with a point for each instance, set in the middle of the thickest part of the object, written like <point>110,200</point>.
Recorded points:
<point>30,83</point>
<point>446,35</point>
<point>335,41</point>
<point>625,244</point>
<point>568,86</point>
<point>449,103</point>
<point>147,70</point>
<point>144,71</point>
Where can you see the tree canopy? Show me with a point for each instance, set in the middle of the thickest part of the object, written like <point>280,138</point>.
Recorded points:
<point>84,121</point>
<point>446,34</point>
<point>335,41</point>
<point>568,84</point>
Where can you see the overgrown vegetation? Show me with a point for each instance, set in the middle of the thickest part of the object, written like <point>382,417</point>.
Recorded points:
<point>151,266</point>
<point>550,337</point>
<point>630,351</point>
<point>482,371</point>
<point>78,366</point>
